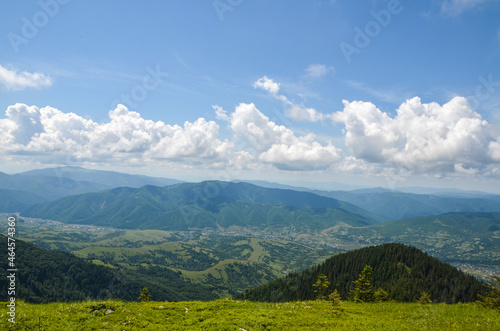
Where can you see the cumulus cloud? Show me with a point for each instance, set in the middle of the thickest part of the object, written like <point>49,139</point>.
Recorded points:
<point>278,145</point>
<point>456,7</point>
<point>52,132</point>
<point>12,79</point>
<point>220,113</point>
<point>422,138</point>
<point>297,112</point>
<point>318,71</point>
<point>267,84</point>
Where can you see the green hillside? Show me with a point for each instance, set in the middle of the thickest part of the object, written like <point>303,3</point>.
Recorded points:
<point>53,275</point>
<point>202,205</point>
<point>49,184</point>
<point>224,265</point>
<point>403,271</point>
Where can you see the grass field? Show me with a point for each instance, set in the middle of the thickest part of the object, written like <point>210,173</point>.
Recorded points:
<point>228,314</point>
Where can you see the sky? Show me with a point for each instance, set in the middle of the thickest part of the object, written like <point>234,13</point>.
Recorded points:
<point>361,93</point>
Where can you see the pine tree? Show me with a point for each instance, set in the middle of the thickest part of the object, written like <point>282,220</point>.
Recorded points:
<point>363,292</point>
<point>321,286</point>
<point>381,295</point>
<point>424,298</point>
<point>334,297</point>
<point>492,299</point>
<point>144,296</point>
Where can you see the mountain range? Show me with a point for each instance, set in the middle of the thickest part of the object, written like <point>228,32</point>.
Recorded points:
<point>202,205</point>
<point>21,191</point>
<point>26,189</point>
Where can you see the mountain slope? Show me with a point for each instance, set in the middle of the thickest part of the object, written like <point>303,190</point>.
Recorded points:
<point>403,271</point>
<point>55,183</point>
<point>394,205</point>
<point>201,205</point>
<point>53,275</point>
<point>13,200</point>
<point>453,237</point>
<point>49,187</point>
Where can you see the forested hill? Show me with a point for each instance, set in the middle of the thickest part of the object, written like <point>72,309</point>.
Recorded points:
<point>202,205</point>
<point>53,275</point>
<point>403,271</point>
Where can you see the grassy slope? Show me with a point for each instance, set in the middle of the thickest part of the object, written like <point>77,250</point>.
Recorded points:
<point>244,315</point>
<point>226,264</point>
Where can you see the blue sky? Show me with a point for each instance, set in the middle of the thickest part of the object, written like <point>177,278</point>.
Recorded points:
<point>378,93</point>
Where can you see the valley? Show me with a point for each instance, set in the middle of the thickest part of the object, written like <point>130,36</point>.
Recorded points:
<point>226,237</point>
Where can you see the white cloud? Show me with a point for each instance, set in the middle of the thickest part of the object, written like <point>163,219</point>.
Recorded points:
<point>456,7</point>
<point>301,113</point>
<point>297,112</point>
<point>220,113</point>
<point>50,132</point>
<point>268,85</point>
<point>369,132</point>
<point>494,150</point>
<point>49,135</point>
<point>422,138</point>
<point>278,145</point>
<point>318,70</point>
<point>12,79</point>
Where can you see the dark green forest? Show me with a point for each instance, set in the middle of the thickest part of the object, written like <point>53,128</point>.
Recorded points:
<point>53,275</point>
<point>403,271</point>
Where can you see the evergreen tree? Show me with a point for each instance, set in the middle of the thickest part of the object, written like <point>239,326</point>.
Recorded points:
<point>144,296</point>
<point>424,298</point>
<point>321,286</point>
<point>492,299</point>
<point>334,297</point>
<point>363,292</point>
<point>381,295</point>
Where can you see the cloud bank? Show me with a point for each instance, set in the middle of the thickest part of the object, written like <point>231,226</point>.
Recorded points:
<point>12,79</point>
<point>422,138</point>
<point>49,132</point>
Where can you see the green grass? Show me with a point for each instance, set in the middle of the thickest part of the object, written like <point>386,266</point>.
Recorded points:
<point>228,314</point>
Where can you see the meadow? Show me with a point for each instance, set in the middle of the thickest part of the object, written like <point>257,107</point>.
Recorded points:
<point>227,314</point>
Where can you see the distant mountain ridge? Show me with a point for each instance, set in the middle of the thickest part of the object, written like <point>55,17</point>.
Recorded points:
<point>49,184</point>
<point>378,203</point>
<point>12,201</point>
<point>393,205</point>
<point>201,205</point>
<point>110,179</point>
